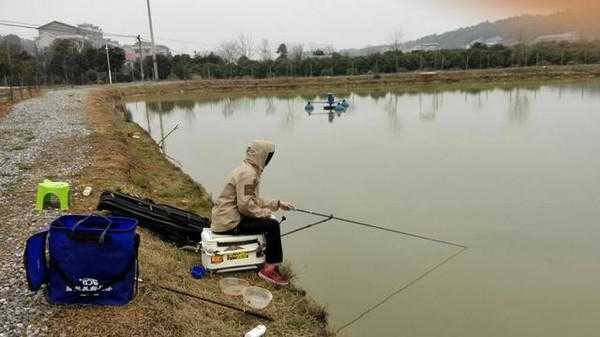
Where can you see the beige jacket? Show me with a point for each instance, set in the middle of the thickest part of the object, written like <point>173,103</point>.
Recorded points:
<point>240,195</point>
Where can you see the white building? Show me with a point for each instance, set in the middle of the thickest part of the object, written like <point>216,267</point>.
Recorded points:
<point>568,37</point>
<point>426,47</point>
<point>82,33</point>
<point>132,52</point>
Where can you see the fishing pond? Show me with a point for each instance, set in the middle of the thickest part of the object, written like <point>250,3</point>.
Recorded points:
<point>512,173</point>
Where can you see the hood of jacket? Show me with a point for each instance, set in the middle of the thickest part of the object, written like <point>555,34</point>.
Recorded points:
<point>257,153</point>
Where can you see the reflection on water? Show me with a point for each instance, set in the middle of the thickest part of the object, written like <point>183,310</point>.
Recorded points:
<point>511,172</point>
<point>519,105</point>
<point>518,101</point>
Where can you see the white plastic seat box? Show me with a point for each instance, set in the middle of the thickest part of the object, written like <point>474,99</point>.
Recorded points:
<point>223,253</point>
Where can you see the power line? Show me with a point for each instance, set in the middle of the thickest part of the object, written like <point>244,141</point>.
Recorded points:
<point>32,26</point>
<point>211,45</point>
<point>20,24</point>
<point>15,25</point>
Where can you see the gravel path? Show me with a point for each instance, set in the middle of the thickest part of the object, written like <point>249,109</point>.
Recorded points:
<point>44,137</point>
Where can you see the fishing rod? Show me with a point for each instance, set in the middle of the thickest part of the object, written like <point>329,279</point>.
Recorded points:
<point>229,306</point>
<point>368,225</point>
<point>307,226</point>
<point>168,134</point>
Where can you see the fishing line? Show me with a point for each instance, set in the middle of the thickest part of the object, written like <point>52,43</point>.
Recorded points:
<point>401,289</point>
<point>364,224</point>
<point>373,226</point>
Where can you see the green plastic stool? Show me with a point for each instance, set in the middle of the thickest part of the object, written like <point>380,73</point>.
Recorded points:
<point>59,189</point>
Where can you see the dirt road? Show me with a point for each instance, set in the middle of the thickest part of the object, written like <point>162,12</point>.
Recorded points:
<point>44,137</point>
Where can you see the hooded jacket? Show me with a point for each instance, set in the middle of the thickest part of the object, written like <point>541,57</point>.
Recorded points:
<point>240,195</point>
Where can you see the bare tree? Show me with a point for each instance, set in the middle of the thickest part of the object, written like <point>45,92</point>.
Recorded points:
<point>329,49</point>
<point>265,53</point>
<point>395,44</point>
<point>370,49</point>
<point>297,51</point>
<point>264,50</point>
<point>245,45</point>
<point>229,51</point>
<point>395,40</point>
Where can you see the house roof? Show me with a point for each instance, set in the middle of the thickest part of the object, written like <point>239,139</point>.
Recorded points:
<point>58,23</point>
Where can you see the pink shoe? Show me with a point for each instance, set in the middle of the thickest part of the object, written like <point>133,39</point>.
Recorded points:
<point>273,277</point>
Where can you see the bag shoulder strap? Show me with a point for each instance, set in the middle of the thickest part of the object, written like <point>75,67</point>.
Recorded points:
<point>34,261</point>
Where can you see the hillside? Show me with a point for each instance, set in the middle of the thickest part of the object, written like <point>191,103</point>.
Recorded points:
<point>567,25</point>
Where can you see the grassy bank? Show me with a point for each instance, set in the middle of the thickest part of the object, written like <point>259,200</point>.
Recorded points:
<point>126,158</point>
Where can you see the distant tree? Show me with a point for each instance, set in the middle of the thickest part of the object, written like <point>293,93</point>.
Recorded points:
<point>229,51</point>
<point>63,60</point>
<point>245,45</point>
<point>165,64</point>
<point>297,52</point>
<point>183,66</point>
<point>282,51</point>
<point>395,44</point>
<point>211,57</point>
<point>264,50</point>
<point>116,56</point>
<point>12,43</point>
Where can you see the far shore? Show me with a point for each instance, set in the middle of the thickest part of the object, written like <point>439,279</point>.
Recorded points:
<point>401,82</point>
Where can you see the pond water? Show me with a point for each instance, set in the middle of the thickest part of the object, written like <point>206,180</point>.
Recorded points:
<point>512,173</point>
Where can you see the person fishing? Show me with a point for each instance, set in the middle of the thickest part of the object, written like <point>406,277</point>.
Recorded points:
<point>240,211</point>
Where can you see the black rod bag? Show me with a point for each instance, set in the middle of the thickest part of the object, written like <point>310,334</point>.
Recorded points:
<point>171,224</point>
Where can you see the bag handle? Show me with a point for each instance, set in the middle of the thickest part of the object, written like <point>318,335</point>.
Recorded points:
<point>109,223</point>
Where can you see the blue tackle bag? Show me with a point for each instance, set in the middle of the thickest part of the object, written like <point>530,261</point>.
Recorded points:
<point>92,259</point>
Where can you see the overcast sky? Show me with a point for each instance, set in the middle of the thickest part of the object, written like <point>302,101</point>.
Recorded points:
<point>201,25</point>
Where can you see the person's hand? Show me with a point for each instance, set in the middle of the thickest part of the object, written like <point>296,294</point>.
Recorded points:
<point>286,205</point>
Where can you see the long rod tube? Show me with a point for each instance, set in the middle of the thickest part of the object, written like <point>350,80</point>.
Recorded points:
<point>418,236</point>
<point>152,40</point>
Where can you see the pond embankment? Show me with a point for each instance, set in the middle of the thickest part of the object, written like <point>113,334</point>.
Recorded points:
<point>81,136</point>
<point>123,157</point>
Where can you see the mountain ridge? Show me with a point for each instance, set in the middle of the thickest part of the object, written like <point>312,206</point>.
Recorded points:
<point>566,25</point>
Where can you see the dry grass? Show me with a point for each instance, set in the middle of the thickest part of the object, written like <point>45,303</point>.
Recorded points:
<point>136,165</point>
<point>6,104</point>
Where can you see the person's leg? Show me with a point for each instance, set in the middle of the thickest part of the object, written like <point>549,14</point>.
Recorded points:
<point>274,253</point>
<point>270,228</point>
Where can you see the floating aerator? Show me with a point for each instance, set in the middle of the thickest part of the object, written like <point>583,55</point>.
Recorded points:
<point>309,107</point>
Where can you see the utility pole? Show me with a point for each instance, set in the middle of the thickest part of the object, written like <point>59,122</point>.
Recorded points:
<point>152,39</point>
<point>139,38</point>
<point>108,64</point>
